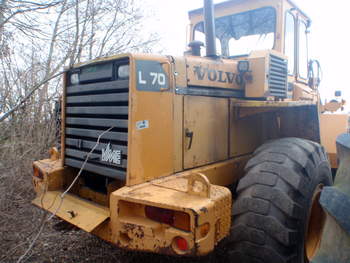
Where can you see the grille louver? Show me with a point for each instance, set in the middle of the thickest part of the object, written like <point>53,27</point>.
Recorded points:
<point>92,108</point>
<point>278,76</point>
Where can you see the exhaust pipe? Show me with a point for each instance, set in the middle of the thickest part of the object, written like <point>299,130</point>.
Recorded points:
<point>209,24</point>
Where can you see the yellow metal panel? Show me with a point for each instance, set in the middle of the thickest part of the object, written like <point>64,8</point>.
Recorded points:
<point>180,82</point>
<point>331,126</point>
<point>133,230</point>
<point>154,144</point>
<point>258,87</point>
<point>180,72</point>
<point>206,72</point>
<point>207,119</point>
<point>50,175</point>
<point>97,197</point>
<point>103,59</point>
<point>52,172</point>
<point>302,91</point>
<point>178,132</point>
<point>259,66</point>
<point>246,135</point>
<point>279,37</point>
<point>63,118</point>
<point>222,173</point>
<point>81,213</point>
<point>333,160</point>
<point>262,105</point>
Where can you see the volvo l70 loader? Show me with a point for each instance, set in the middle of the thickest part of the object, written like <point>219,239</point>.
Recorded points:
<point>174,155</point>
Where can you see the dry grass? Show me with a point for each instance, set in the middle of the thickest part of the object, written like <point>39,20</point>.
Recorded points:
<point>21,142</point>
<point>59,242</point>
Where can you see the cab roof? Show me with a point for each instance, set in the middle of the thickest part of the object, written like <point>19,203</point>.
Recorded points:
<point>222,5</point>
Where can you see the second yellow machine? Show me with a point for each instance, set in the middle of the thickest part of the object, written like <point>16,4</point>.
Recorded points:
<point>179,153</point>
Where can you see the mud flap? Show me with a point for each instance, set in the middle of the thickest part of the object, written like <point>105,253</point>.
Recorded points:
<point>335,244</point>
<point>79,212</point>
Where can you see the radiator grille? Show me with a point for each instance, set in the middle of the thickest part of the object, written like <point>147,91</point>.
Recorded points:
<point>91,108</point>
<point>278,76</point>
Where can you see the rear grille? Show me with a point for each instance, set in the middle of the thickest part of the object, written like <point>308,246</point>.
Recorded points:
<point>92,108</point>
<point>278,75</point>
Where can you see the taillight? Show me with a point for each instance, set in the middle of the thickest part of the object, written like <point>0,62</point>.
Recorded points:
<point>161,215</point>
<point>174,218</point>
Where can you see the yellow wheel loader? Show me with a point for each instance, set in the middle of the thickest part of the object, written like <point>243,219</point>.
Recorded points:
<point>174,155</point>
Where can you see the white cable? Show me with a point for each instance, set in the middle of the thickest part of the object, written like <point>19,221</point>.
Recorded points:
<point>62,197</point>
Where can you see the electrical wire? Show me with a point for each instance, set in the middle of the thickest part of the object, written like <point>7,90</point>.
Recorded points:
<point>45,219</point>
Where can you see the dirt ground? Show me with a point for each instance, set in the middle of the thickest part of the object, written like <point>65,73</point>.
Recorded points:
<point>59,242</point>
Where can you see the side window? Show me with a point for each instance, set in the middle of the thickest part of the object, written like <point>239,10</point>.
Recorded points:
<point>303,50</point>
<point>246,44</point>
<point>289,42</point>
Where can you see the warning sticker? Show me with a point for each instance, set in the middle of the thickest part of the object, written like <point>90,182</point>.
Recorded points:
<point>140,125</point>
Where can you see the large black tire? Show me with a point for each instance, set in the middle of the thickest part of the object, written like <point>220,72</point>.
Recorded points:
<point>272,208</point>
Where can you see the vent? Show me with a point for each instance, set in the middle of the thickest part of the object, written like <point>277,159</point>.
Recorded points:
<point>278,76</point>
<point>92,107</point>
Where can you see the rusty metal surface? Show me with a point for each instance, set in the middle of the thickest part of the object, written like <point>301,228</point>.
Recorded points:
<point>81,213</point>
<point>207,119</point>
<point>205,204</point>
<point>331,125</point>
<point>52,174</point>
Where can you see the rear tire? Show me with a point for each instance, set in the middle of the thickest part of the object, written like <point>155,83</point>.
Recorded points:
<point>272,210</point>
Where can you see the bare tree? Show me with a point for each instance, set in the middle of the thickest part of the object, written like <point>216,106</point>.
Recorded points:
<point>37,40</point>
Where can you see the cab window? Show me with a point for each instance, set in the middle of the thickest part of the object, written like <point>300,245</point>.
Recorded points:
<point>239,34</point>
<point>289,42</point>
<point>303,50</point>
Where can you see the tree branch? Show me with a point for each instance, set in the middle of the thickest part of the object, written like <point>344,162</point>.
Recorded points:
<point>7,114</point>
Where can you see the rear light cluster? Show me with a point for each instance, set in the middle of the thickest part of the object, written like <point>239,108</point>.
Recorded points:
<point>177,219</point>
<point>37,172</point>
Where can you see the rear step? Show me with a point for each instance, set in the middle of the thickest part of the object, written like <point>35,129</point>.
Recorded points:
<point>79,212</point>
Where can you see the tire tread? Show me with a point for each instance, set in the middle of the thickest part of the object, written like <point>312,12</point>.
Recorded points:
<point>269,211</point>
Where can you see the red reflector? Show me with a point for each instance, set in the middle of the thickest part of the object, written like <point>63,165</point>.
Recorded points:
<point>181,243</point>
<point>161,215</point>
<point>37,173</point>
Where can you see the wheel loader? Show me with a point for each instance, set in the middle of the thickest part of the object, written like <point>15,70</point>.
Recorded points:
<point>219,147</point>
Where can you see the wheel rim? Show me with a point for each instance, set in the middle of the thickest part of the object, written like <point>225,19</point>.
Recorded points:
<point>316,222</point>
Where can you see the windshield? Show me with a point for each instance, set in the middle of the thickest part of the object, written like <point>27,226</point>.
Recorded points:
<point>239,34</point>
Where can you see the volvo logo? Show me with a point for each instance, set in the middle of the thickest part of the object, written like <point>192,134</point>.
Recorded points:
<point>111,156</point>
<point>214,75</point>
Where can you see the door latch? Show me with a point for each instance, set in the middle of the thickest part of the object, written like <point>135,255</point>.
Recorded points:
<point>189,134</point>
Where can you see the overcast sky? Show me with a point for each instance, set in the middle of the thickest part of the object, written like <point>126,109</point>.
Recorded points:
<point>330,36</point>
